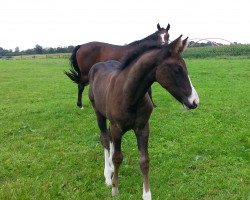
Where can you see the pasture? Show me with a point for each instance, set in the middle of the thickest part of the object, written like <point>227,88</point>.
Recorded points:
<point>50,149</point>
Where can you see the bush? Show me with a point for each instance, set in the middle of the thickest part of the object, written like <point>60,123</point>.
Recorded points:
<point>218,51</point>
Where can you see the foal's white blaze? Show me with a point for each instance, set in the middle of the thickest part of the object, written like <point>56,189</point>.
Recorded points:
<point>163,38</point>
<point>107,169</point>
<point>193,98</point>
<point>146,195</point>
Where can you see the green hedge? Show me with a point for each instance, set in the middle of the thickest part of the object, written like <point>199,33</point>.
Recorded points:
<point>218,51</point>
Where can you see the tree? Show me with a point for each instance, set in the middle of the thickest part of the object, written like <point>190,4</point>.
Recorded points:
<point>38,49</point>
<point>1,51</point>
<point>51,50</point>
<point>70,49</point>
<point>17,51</point>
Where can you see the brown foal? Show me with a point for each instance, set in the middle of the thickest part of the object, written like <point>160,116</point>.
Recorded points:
<point>118,92</point>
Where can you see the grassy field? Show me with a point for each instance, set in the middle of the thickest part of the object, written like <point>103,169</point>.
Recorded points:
<point>49,149</point>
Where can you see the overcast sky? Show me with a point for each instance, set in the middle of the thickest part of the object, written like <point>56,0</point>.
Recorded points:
<point>53,23</point>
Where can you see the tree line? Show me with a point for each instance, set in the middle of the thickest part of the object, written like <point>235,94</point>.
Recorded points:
<point>38,49</point>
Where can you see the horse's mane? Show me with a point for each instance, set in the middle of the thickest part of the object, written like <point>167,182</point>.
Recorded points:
<point>136,53</point>
<point>150,37</point>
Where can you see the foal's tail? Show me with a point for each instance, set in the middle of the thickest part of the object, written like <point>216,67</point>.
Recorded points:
<point>74,73</point>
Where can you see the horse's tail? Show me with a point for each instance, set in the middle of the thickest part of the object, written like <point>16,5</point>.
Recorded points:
<point>74,73</point>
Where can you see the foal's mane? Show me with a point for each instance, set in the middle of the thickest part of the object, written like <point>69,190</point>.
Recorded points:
<point>153,37</point>
<point>135,54</point>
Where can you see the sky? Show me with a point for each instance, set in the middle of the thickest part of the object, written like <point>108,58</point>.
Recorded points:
<point>53,23</point>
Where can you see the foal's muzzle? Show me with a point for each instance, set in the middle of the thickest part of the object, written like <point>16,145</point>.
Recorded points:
<point>192,101</point>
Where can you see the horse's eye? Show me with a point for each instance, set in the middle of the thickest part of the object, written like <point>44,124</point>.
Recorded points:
<point>177,70</point>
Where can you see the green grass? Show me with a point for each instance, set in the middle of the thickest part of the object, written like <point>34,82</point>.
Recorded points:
<point>50,149</point>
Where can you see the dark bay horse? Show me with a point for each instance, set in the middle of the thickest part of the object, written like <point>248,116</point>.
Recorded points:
<point>86,55</point>
<point>118,92</point>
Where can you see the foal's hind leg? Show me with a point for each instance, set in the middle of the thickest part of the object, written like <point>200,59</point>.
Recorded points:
<point>80,91</point>
<point>142,142</point>
<point>116,135</point>
<point>105,140</point>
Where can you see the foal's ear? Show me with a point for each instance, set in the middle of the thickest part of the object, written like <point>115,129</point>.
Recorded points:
<point>168,27</point>
<point>178,46</point>
<point>175,46</point>
<point>184,45</point>
<point>158,27</point>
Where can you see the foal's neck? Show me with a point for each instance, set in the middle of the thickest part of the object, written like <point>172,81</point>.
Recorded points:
<point>139,77</point>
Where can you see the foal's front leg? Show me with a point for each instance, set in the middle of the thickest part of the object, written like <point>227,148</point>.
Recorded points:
<point>107,144</point>
<point>142,142</point>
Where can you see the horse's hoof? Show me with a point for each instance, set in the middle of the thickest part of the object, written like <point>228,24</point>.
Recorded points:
<point>108,175</point>
<point>108,182</point>
<point>115,191</point>
<point>146,195</point>
<point>82,108</point>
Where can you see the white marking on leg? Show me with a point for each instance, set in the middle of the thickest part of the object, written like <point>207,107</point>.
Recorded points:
<point>162,38</point>
<point>111,146</point>
<point>81,108</point>
<point>193,98</point>
<point>107,169</point>
<point>146,195</point>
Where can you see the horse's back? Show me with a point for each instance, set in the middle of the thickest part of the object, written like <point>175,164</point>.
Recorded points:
<point>99,50</point>
<point>100,77</point>
<point>93,52</point>
<point>103,69</point>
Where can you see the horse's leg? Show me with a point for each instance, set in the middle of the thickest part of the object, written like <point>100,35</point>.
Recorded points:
<point>142,142</point>
<point>150,95</point>
<point>116,135</point>
<point>80,91</point>
<point>105,140</point>
<point>111,153</point>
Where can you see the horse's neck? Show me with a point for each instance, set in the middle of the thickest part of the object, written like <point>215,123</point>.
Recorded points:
<point>139,77</point>
<point>149,39</point>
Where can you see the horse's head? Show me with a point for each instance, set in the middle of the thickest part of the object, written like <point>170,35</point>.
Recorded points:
<point>162,34</point>
<point>172,74</point>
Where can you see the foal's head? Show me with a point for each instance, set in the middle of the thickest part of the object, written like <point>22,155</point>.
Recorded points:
<point>172,73</point>
<point>162,34</point>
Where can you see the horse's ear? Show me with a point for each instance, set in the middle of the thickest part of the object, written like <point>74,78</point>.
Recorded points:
<point>168,27</point>
<point>175,46</point>
<point>158,27</point>
<point>184,45</point>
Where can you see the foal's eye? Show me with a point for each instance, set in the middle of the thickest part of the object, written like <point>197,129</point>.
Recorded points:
<point>177,70</point>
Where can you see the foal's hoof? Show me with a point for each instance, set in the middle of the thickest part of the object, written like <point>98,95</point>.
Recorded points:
<point>82,108</point>
<point>108,182</point>
<point>115,191</point>
<point>147,196</point>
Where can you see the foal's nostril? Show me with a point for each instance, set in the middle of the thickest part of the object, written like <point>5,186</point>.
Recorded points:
<point>194,105</point>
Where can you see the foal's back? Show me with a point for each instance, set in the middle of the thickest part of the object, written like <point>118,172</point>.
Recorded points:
<point>102,78</point>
